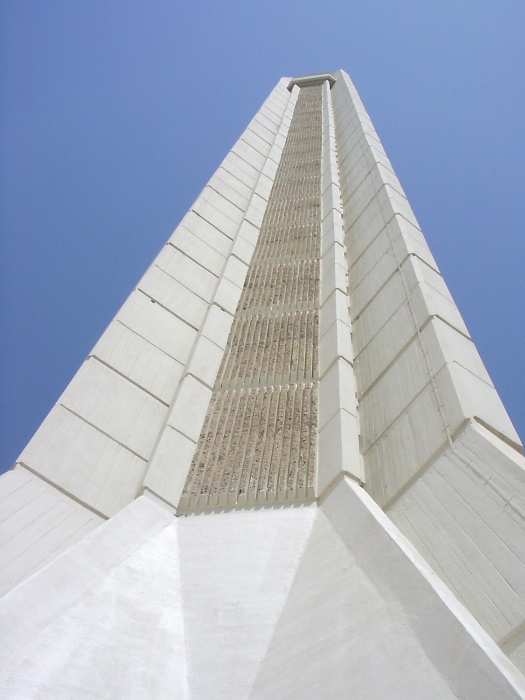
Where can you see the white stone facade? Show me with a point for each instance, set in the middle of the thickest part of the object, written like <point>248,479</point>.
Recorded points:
<point>399,574</point>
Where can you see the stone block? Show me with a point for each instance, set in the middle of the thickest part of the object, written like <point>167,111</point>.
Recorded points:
<point>218,211</point>
<point>227,295</point>
<point>395,389</point>
<point>170,465</point>
<point>354,170</point>
<point>264,186</point>
<point>474,547</point>
<point>331,199</point>
<point>445,344</point>
<point>157,325</point>
<point>249,232</point>
<point>339,450</point>
<point>416,285</point>
<point>189,408</point>
<point>334,308</point>
<point>220,239</point>
<point>401,451</point>
<point>256,210</point>
<point>334,277</point>
<point>336,342</point>
<point>235,271</point>
<point>249,154</point>
<point>387,251</point>
<point>337,391</point>
<point>332,230</point>
<point>358,196</point>
<point>330,171</point>
<point>186,271</point>
<point>84,462</point>
<point>263,125</point>
<point>139,360</point>
<point>37,523</point>
<point>198,250</point>
<point>230,187</point>
<point>243,250</point>
<point>380,350</point>
<point>361,230</point>
<point>217,325</point>
<point>205,361</point>
<point>258,138</point>
<point>115,406</point>
<point>165,290</point>
<point>465,396</point>
<point>242,170</point>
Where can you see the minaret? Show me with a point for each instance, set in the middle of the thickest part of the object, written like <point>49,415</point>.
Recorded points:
<point>283,471</point>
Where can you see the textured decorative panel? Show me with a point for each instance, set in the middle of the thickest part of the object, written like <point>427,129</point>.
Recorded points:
<point>259,440</point>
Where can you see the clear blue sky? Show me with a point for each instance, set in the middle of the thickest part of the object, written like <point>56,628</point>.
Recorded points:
<point>115,113</point>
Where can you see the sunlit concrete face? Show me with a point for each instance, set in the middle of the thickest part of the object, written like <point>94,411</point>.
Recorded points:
<point>292,379</point>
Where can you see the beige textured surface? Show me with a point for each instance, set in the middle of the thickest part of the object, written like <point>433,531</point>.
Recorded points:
<point>258,443</point>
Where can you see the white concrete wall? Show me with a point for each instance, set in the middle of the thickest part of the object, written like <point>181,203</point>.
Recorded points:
<point>302,602</point>
<point>338,421</point>
<point>418,373</point>
<point>454,487</point>
<point>37,522</point>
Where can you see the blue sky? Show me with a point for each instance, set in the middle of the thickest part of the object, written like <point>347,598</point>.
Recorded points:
<point>115,114</point>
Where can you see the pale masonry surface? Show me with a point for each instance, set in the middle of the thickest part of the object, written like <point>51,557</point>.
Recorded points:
<point>283,471</point>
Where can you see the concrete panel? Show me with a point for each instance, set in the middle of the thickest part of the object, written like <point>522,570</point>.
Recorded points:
<point>115,406</point>
<point>337,390</point>
<point>218,211</point>
<point>220,239</point>
<point>468,396</point>
<point>250,559</point>
<point>158,326</point>
<point>465,515</point>
<point>409,443</point>
<point>197,249</point>
<point>350,643</point>
<point>387,251</point>
<point>189,408</point>
<point>339,449</point>
<point>139,360</point>
<point>187,272</point>
<point>336,342</point>
<point>101,621</point>
<point>169,465</point>
<point>234,190</point>
<point>205,361</point>
<point>84,461</point>
<point>37,522</point>
<point>217,325</point>
<point>457,647</point>
<point>165,290</point>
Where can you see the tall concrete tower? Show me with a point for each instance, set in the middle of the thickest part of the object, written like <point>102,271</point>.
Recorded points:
<point>283,471</point>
